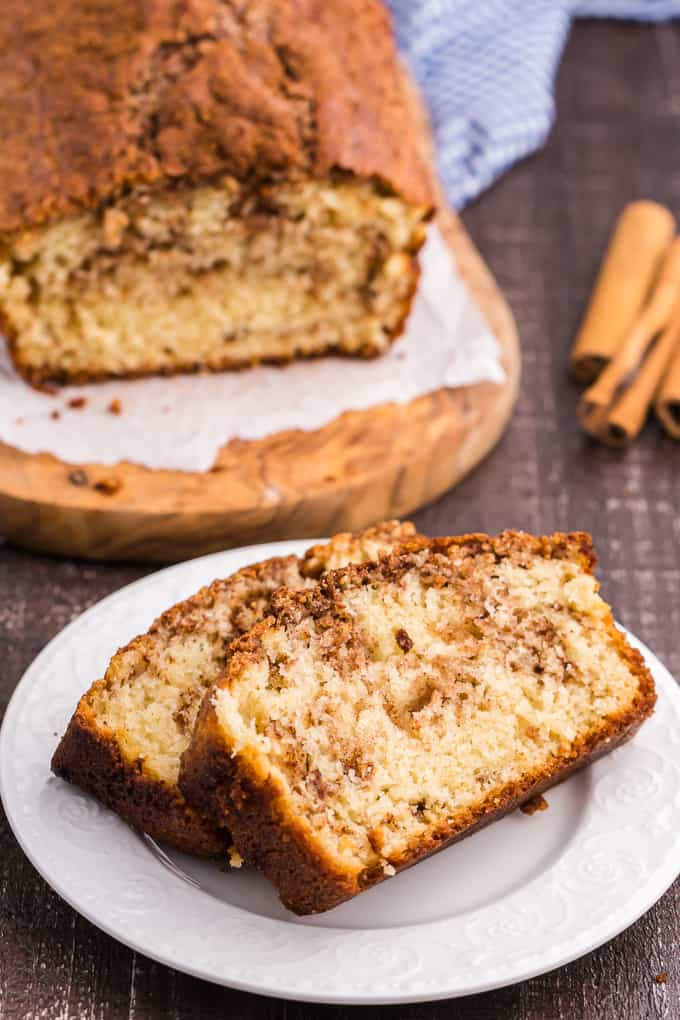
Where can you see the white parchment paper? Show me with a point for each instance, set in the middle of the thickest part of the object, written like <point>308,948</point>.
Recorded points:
<point>182,422</point>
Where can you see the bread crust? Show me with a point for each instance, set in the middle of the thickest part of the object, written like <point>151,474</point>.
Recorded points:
<point>89,754</point>
<point>228,786</point>
<point>103,96</point>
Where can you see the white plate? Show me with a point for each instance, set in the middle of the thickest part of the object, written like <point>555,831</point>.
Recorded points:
<point>520,898</point>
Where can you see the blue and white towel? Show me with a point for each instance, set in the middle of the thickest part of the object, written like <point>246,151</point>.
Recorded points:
<point>487,69</point>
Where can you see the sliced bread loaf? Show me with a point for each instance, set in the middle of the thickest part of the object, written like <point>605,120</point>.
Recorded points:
<point>204,184</point>
<point>401,705</point>
<point>124,742</point>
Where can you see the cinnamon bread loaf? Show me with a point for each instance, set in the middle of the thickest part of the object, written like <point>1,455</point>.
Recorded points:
<point>203,184</point>
<point>126,736</point>
<point>401,705</point>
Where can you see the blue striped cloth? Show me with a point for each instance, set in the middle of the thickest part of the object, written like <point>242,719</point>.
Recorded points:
<point>487,69</point>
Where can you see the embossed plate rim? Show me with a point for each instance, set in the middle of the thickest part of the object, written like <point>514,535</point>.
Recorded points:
<point>500,944</point>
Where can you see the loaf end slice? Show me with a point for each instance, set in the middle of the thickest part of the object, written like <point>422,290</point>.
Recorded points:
<point>124,741</point>
<point>402,705</point>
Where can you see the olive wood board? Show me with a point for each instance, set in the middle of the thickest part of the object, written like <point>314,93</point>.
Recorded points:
<point>362,467</point>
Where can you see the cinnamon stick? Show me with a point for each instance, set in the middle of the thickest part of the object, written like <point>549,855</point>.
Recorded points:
<point>624,421</point>
<point>639,242</point>
<point>653,320</point>
<point>667,403</point>
<point>621,423</point>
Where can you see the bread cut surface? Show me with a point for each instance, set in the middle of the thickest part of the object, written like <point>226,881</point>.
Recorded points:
<point>211,278</point>
<point>204,185</point>
<point>400,705</point>
<point>124,742</point>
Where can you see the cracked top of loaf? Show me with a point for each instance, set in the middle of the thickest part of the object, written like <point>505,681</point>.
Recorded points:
<point>100,95</point>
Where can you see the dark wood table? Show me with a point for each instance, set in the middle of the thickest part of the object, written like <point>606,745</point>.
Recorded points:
<point>542,229</point>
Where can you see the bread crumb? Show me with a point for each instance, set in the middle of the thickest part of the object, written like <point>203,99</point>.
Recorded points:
<point>77,477</point>
<point>55,415</point>
<point>662,977</point>
<point>534,804</point>
<point>108,486</point>
<point>77,403</point>
<point>235,859</point>
<point>115,407</point>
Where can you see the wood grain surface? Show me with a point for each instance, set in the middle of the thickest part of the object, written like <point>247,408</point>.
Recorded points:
<point>542,229</point>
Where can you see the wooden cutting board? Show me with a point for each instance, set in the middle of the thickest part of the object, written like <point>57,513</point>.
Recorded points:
<point>360,468</point>
<point>363,467</point>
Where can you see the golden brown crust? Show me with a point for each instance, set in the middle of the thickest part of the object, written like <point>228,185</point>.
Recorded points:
<point>225,786</point>
<point>100,96</point>
<point>90,755</point>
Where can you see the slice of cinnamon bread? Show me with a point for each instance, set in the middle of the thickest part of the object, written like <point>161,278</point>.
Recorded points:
<point>403,704</point>
<point>126,736</point>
